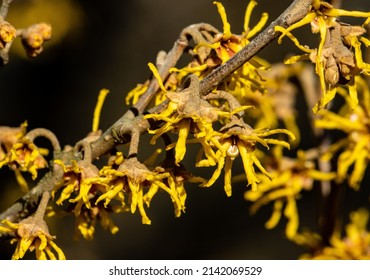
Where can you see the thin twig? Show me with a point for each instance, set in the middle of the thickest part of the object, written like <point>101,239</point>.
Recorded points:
<point>5,8</point>
<point>170,61</point>
<point>231,100</point>
<point>40,212</point>
<point>42,132</point>
<point>27,204</point>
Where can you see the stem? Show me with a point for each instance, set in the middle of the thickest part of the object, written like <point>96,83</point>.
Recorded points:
<point>329,194</point>
<point>134,144</point>
<point>5,8</point>
<point>329,213</point>
<point>27,205</point>
<point>86,147</point>
<point>40,212</point>
<point>200,33</point>
<point>170,61</point>
<point>231,100</point>
<point>42,132</point>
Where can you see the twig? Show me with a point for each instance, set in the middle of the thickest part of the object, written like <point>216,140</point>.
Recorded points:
<point>27,204</point>
<point>231,100</point>
<point>5,8</point>
<point>193,31</point>
<point>170,61</point>
<point>42,132</point>
<point>40,212</point>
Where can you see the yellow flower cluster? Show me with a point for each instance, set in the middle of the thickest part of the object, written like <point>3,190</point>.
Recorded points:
<point>248,77</point>
<point>25,156</point>
<point>7,33</point>
<point>239,120</point>
<point>19,154</point>
<point>122,185</point>
<point>338,58</point>
<point>291,176</point>
<point>188,113</point>
<point>244,80</point>
<point>354,122</point>
<point>355,245</point>
<point>125,184</point>
<point>32,234</point>
<point>237,138</point>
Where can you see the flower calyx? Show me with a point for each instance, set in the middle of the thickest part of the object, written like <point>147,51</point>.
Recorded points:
<point>338,60</point>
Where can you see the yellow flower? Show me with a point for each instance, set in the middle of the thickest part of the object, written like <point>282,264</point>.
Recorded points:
<point>133,95</point>
<point>170,84</point>
<point>338,58</point>
<point>9,136</point>
<point>186,112</point>
<point>86,221</point>
<point>81,187</point>
<point>238,138</point>
<point>246,78</point>
<point>289,179</point>
<point>81,182</point>
<point>177,176</point>
<point>134,184</point>
<point>354,122</point>
<point>277,105</point>
<point>32,234</point>
<point>7,33</point>
<point>354,246</point>
<point>25,157</point>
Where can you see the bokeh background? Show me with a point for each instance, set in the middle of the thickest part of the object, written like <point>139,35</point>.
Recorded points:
<point>107,44</point>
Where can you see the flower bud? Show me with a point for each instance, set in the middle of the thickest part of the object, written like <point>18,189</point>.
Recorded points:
<point>33,38</point>
<point>7,33</point>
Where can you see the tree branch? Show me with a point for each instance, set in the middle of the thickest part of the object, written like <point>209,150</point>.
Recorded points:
<point>5,8</point>
<point>295,12</point>
<point>118,132</point>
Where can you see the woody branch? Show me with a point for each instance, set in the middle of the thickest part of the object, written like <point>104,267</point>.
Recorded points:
<point>120,131</point>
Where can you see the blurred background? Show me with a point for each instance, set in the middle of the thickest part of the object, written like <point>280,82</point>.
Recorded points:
<point>107,44</point>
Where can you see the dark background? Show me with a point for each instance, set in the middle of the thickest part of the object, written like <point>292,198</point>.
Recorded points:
<point>107,44</point>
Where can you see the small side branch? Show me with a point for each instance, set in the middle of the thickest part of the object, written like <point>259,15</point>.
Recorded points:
<point>27,205</point>
<point>5,8</point>
<point>42,132</point>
